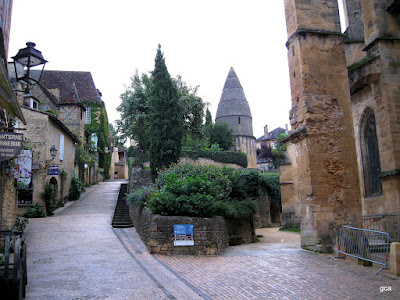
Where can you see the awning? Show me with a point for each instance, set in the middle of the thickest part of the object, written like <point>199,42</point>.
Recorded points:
<point>8,99</point>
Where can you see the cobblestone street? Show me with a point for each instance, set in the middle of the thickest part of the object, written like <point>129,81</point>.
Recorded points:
<point>76,254</point>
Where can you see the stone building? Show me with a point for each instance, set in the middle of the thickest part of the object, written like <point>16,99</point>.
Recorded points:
<point>234,109</point>
<point>43,131</point>
<point>270,137</point>
<point>8,108</point>
<point>345,144</point>
<point>119,164</point>
<point>80,107</point>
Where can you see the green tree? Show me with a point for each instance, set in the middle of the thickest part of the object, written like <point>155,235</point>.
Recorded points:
<point>118,139</point>
<point>208,118</point>
<point>220,133</point>
<point>134,110</point>
<point>165,118</point>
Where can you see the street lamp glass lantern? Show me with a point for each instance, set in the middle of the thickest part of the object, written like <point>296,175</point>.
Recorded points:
<point>53,151</point>
<point>26,59</point>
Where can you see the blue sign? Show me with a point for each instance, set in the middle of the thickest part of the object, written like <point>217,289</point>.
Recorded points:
<point>53,170</point>
<point>183,229</point>
<point>183,235</point>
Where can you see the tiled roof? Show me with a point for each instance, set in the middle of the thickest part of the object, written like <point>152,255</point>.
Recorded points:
<point>73,86</point>
<point>274,134</point>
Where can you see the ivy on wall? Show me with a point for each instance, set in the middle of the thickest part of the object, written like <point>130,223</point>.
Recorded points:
<point>99,125</point>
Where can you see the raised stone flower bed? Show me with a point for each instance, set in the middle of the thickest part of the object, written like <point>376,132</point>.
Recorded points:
<point>157,232</point>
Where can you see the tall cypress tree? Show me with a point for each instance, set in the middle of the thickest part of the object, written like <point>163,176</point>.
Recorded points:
<point>166,119</point>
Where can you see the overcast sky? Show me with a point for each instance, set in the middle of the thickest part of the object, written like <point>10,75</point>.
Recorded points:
<point>201,40</point>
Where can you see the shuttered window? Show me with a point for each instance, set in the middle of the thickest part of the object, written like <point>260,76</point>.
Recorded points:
<point>61,147</point>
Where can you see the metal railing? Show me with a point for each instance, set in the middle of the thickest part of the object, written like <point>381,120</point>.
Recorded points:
<point>365,244</point>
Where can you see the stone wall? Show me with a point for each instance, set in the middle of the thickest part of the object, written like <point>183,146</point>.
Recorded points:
<point>327,187</point>
<point>42,133</point>
<point>240,231</point>
<point>157,232</point>
<point>8,203</point>
<point>263,217</point>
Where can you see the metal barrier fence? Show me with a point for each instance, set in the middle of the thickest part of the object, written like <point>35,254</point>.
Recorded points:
<point>365,244</point>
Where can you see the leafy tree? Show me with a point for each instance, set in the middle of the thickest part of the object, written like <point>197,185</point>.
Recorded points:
<point>118,140</point>
<point>192,109</point>
<point>165,118</point>
<point>208,118</point>
<point>134,110</point>
<point>220,133</point>
<point>266,152</point>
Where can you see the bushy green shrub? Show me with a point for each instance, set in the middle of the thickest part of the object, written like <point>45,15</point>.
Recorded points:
<point>204,191</point>
<point>140,196</point>
<point>188,196</point>
<point>76,189</point>
<point>228,157</point>
<point>50,196</point>
<point>34,212</point>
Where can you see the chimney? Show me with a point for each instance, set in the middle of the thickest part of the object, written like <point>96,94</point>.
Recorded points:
<point>266,131</point>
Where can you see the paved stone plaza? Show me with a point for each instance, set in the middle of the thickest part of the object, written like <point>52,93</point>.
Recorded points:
<point>76,254</point>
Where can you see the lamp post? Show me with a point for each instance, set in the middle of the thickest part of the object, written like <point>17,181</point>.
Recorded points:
<point>53,152</point>
<point>24,61</point>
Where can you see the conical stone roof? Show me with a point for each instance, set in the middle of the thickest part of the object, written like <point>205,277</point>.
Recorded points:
<point>233,107</point>
<point>233,100</point>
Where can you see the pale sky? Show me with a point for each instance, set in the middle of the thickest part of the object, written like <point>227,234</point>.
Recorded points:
<point>201,40</point>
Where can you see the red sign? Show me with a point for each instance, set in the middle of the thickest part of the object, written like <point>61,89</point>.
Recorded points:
<point>10,145</point>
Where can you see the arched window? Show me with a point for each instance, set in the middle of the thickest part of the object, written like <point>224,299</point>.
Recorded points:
<point>370,154</point>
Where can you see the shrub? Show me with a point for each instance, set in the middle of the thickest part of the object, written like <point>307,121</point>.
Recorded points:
<point>34,212</point>
<point>50,196</point>
<point>205,191</point>
<point>20,223</point>
<point>188,196</point>
<point>140,196</point>
<point>76,189</point>
<point>228,157</point>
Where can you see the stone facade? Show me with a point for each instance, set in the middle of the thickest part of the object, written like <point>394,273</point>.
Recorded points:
<point>326,173</point>
<point>345,108</point>
<point>119,165</point>
<point>8,204</point>
<point>234,109</point>
<point>42,132</point>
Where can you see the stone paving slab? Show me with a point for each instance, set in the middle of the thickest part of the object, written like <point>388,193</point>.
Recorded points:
<point>298,275</point>
<point>76,254</point>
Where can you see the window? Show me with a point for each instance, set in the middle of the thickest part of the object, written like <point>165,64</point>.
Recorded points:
<point>88,118</point>
<point>94,141</point>
<point>370,155</point>
<point>61,147</point>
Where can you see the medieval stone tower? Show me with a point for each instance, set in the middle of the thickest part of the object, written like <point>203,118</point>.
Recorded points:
<point>326,177</point>
<point>234,110</point>
<point>345,149</point>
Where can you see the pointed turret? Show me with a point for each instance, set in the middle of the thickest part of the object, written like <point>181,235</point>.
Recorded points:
<point>234,109</point>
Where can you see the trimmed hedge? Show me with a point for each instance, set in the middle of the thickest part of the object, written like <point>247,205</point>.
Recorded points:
<point>228,157</point>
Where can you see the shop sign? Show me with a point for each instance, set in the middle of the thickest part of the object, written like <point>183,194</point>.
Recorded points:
<point>23,168</point>
<point>10,145</point>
